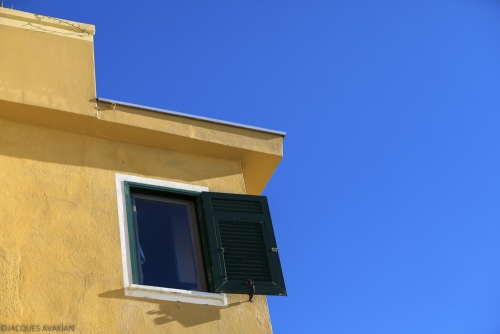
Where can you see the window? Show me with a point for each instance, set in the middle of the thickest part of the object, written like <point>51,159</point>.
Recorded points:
<point>167,243</point>
<point>182,242</point>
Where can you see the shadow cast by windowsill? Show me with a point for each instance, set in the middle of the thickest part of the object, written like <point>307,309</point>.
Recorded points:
<point>188,315</point>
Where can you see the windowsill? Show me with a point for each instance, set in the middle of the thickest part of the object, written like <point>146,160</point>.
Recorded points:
<point>176,295</point>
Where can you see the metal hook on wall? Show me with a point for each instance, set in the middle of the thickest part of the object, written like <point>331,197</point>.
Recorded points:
<point>252,292</point>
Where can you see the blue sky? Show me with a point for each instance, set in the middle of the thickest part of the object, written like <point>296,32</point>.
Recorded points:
<point>386,205</point>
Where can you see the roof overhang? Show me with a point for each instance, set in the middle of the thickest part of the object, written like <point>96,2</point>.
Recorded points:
<point>258,150</point>
<point>40,84</point>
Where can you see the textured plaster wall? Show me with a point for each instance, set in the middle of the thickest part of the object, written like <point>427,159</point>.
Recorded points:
<point>60,260</point>
<point>41,68</point>
<point>47,78</point>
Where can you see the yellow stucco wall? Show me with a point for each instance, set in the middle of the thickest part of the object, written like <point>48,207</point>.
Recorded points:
<point>60,255</point>
<point>45,64</point>
<point>60,258</point>
<point>47,78</point>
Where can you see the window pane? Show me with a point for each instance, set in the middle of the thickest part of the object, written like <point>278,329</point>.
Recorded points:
<point>183,249</point>
<point>165,239</point>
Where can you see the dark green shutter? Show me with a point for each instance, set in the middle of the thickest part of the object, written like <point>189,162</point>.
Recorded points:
<point>241,244</point>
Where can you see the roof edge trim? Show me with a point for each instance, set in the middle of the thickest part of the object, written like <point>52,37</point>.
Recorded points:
<point>201,118</point>
<point>46,20</point>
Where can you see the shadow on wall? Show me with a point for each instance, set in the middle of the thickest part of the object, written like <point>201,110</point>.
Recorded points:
<point>47,145</point>
<point>187,315</point>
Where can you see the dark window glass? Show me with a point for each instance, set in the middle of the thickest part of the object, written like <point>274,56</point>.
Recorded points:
<point>168,243</point>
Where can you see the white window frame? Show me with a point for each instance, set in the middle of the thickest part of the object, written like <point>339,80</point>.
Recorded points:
<point>152,292</point>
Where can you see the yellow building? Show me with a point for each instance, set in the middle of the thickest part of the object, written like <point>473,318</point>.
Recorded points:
<point>117,218</point>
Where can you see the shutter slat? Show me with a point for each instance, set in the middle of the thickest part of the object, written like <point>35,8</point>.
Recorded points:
<point>236,206</point>
<point>241,243</point>
<point>256,244</point>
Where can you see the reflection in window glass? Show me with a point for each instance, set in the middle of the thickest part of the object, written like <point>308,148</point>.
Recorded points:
<point>165,238</point>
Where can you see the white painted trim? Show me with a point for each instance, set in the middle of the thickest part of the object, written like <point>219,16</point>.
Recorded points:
<point>144,291</point>
<point>176,295</point>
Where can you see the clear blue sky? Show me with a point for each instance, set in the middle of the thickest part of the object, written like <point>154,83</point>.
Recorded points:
<point>386,205</point>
